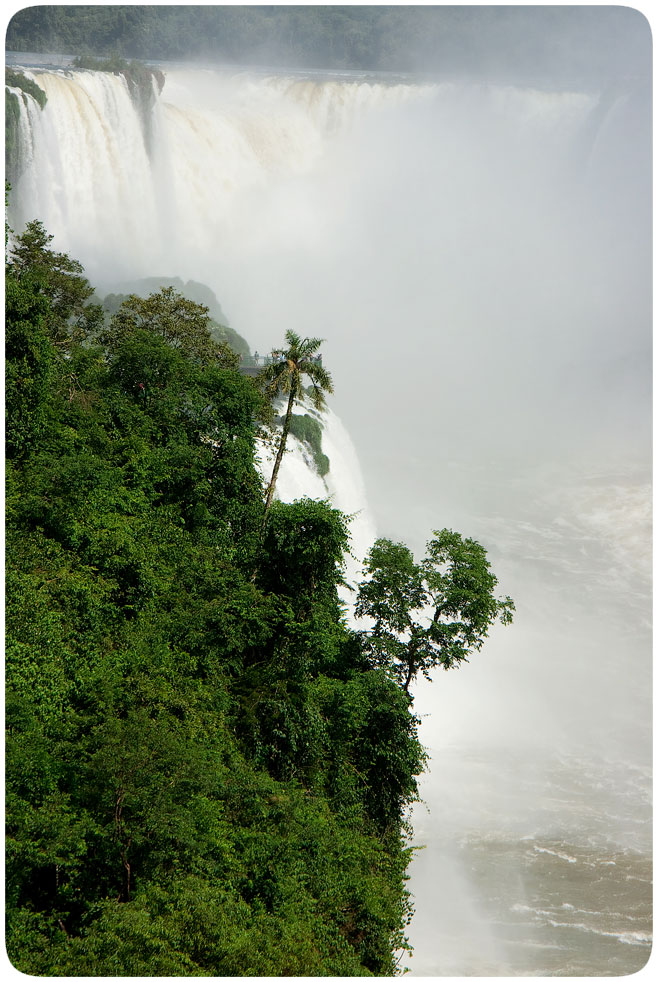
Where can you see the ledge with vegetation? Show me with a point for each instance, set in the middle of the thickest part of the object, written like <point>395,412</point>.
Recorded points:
<point>140,77</point>
<point>309,430</point>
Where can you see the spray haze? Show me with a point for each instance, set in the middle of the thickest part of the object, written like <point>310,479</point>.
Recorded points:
<point>502,229</point>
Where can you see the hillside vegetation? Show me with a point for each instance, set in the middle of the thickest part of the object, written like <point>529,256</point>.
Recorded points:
<point>208,769</point>
<point>206,774</point>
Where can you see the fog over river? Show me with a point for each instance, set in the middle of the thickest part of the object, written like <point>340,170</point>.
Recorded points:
<point>476,254</point>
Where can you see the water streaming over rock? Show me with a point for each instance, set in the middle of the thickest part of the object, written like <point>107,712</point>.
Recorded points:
<point>477,257</point>
<point>342,485</point>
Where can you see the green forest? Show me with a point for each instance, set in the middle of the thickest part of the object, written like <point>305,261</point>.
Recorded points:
<point>533,40</point>
<point>208,771</point>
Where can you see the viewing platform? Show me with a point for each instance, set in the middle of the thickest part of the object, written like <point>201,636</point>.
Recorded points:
<point>260,361</point>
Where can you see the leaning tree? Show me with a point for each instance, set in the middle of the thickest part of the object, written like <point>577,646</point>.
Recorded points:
<point>428,614</point>
<point>284,376</point>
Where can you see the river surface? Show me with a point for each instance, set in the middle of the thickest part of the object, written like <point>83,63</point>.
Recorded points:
<point>536,827</point>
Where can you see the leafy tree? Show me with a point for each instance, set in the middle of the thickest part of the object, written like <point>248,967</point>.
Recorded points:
<point>71,317</point>
<point>304,549</point>
<point>181,323</point>
<point>437,612</point>
<point>285,377</point>
<point>29,359</point>
<point>372,746</point>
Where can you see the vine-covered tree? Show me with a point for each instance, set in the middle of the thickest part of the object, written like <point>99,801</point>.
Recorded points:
<point>437,612</point>
<point>304,545</point>
<point>285,377</point>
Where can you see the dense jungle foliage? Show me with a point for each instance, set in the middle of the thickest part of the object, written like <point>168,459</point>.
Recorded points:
<point>580,41</point>
<point>191,290</point>
<point>205,773</point>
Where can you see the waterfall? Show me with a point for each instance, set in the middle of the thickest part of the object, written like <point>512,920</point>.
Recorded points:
<point>89,168</point>
<point>343,484</point>
<point>23,153</point>
<point>216,141</point>
<point>232,158</point>
<point>478,258</point>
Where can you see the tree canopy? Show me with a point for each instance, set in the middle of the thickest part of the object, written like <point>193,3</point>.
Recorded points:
<point>434,613</point>
<point>207,770</point>
<point>181,323</point>
<point>70,316</point>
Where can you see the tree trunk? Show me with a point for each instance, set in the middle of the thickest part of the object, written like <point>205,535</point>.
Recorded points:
<point>280,452</point>
<point>412,667</point>
<point>411,671</point>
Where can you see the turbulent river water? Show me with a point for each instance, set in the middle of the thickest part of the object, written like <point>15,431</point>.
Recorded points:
<point>477,256</point>
<point>537,824</point>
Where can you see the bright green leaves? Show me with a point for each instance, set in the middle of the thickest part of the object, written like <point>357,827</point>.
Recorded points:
<point>29,357</point>
<point>395,588</point>
<point>373,745</point>
<point>204,774</point>
<point>180,323</point>
<point>303,551</point>
<point>460,587</point>
<point>60,279</point>
<point>297,360</point>
<point>434,613</point>
<point>201,414</point>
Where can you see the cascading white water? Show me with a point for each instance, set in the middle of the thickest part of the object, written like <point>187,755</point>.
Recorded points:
<point>342,485</point>
<point>28,123</point>
<point>477,257</point>
<point>220,142</point>
<point>84,180</point>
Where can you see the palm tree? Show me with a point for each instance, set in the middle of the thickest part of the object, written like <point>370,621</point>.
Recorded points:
<point>284,376</point>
